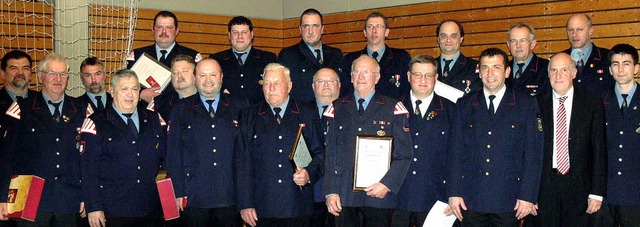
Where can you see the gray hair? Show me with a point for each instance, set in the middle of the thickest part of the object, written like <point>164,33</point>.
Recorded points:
<point>353,64</point>
<point>277,66</point>
<point>532,31</point>
<point>43,65</point>
<point>123,73</point>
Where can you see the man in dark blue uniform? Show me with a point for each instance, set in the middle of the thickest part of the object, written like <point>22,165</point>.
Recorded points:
<point>326,88</point>
<point>43,142</point>
<point>15,72</point>
<point>529,72</point>
<point>93,78</point>
<point>271,192</point>
<point>622,203</point>
<point>430,122</point>
<point>310,55</point>
<point>456,70</point>
<point>121,151</point>
<point>165,30</point>
<point>242,64</point>
<point>365,112</point>
<point>393,63</point>
<point>592,62</point>
<point>495,162</point>
<point>202,166</point>
<point>183,81</point>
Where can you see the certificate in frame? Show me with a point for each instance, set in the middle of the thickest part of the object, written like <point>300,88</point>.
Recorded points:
<point>372,160</point>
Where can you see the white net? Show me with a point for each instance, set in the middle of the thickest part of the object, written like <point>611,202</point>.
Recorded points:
<point>76,29</point>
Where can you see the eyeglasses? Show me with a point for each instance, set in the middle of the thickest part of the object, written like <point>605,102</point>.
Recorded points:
<point>515,41</point>
<point>421,76</point>
<point>364,72</point>
<point>322,82</point>
<point>377,26</point>
<point>56,74</point>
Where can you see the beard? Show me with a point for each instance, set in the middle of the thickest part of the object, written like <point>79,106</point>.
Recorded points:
<point>20,81</point>
<point>95,88</point>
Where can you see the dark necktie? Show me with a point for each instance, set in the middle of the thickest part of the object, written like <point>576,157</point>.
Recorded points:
<point>492,110</point>
<point>239,56</point>
<point>319,55</point>
<point>374,55</point>
<point>19,98</point>
<point>163,56</point>
<point>99,102</point>
<point>324,108</point>
<point>278,118</point>
<point>418,112</point>
<point>212,112</point>
<point>562,138</point>
<point>445,72</point>
<point>624,105</point>
<point>131,124</point>
<point>520,69</point>
<point>580,66</point>
<point>360,106</point>
<point>56,110</point>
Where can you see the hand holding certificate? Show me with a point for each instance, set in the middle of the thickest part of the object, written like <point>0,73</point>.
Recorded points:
<point>152,73</point>
<point>300,157</point>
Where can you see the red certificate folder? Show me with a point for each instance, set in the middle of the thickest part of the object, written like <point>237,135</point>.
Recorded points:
<point>24,196</point>
<point>167,196</point>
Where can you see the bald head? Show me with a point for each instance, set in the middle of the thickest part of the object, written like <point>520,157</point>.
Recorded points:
<point>208,78</point>
<point>562,71</point>
<point>326,85</point>
<point>579,30</point>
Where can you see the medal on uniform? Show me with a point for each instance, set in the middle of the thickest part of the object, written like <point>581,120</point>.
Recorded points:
<point>393,80</point>
<point>468,89</point>
<point>261,82</point>
<point>539,120</point>
<point>638,130</point>
<point>78,137</point>
<point>397,80</point>
<point>65,118</point>
<point>381,133</point>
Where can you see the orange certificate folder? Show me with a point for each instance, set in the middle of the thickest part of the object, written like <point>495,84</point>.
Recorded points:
<point>24,196</point>
<point>167,196</point>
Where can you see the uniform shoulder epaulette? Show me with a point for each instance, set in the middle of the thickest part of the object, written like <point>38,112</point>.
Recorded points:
<point>14,110</point>
<point>329,112</point>
<point>162,122</point>
<point>198,58</point>
<point>89,110</point>
<point>131,56</point>
<point>399,109</point>
<point>88,126</point>
<point>152,105</point>
<point>477,68</point>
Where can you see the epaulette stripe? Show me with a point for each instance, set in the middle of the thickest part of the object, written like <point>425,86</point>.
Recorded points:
<point>400,109</point>
<point>89,110</point>
<point>330,112</point>
<point>152,105</point>
<point>88,126</point>
<point>14,110</point>
<point>162,122</point>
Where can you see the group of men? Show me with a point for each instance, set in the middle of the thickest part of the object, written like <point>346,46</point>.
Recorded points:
<point>526,141</point>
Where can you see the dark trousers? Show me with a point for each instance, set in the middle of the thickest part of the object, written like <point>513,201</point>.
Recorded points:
<point>47,219</point>
<point>615,215</point>
<point>8,223</point>
<point>147,221</point>
<point>284,222</point>
<point>321,216</point>
<point>364,216</point>
<point>473,219</point>
<point>563,201</point>
<point>403,218</point>
<point>223,217</point>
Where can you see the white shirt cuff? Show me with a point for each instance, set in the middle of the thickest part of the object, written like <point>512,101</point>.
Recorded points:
<point>596,197</point>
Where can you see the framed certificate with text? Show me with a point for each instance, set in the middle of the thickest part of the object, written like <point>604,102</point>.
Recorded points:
<point>372,160</point>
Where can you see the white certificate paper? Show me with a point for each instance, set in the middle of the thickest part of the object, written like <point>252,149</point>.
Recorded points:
<point>437,218</point>
<point>448,92</point>
<point>372,161</point>
<point>151,73</point>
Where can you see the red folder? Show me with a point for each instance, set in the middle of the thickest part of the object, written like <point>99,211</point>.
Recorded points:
<point>24,196</point>
<point>167,196</point>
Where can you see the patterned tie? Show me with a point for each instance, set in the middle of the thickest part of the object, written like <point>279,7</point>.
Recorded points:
<point>319,56</point>
<point>239,56</point>
<point>374,55</point>
<point>580,65</point>
<point>56,110</point>
<point>445,72</point>
<point>212,112</point>
<point>131,124</point>
<point>278,118</point>
<point>99,102</point>
<point>163,56</point>
<point>418,113</point>
<point>624,106</point>
<point>492,110</point>
<point>562,138</point>
<point>360,107</point>
<point>520,69</point>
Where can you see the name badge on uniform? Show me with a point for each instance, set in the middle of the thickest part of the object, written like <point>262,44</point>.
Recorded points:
<point>382,133</point>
